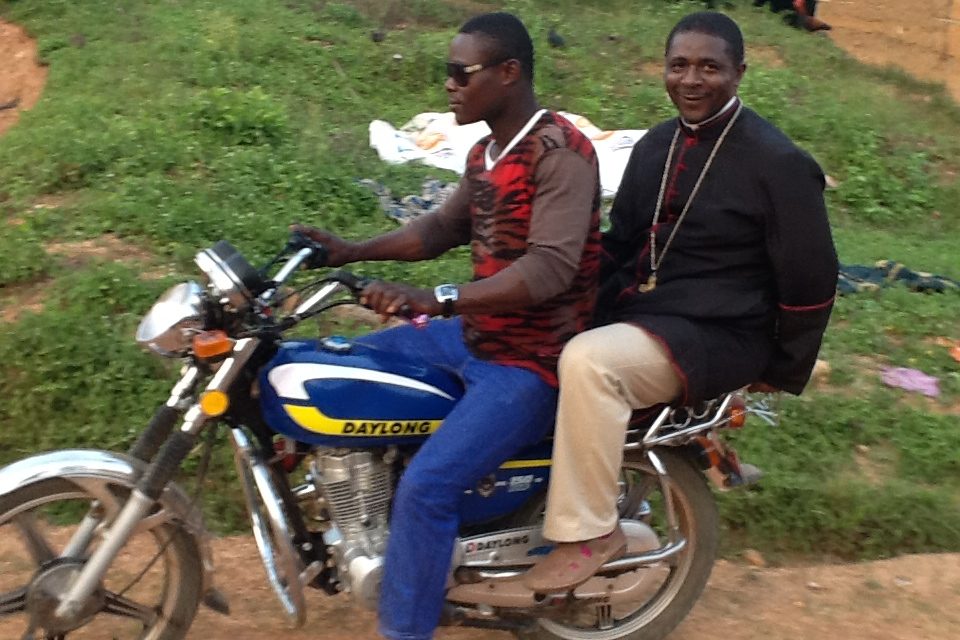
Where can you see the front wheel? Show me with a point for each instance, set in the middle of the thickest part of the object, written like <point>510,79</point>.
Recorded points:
<point>48,528</point>
<point>674,584</point>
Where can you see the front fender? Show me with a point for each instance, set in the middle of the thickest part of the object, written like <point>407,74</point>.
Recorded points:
<point>68,463</point>
<point>80,464</point>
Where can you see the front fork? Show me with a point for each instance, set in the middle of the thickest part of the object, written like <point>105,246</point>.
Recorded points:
<point>145,448</point>
<point>167,451</point>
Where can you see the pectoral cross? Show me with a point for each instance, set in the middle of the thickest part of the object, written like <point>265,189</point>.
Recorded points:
<point>649,285</point>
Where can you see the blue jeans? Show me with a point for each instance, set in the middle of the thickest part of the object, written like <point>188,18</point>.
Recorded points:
<point>503,410</point>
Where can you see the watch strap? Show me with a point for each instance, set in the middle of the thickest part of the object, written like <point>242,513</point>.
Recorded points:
<point>447,308</point>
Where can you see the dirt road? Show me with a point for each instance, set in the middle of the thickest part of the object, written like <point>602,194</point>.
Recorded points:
<point>908,598</point>
<point>921,37</point>
<point>21,78</point>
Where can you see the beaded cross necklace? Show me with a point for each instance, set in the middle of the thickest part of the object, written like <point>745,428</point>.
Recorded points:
<point>655,262</point>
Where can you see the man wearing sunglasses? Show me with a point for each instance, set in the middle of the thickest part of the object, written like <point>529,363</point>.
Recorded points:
<point>528,205</point>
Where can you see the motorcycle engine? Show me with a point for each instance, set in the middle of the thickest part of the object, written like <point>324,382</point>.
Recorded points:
<point>357,488</point>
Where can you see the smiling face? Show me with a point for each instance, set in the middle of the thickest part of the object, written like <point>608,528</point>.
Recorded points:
<point>700,74</point>
<point>482,96</point>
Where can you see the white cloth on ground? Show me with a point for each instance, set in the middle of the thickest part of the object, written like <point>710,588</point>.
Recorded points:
<point>437,140</point>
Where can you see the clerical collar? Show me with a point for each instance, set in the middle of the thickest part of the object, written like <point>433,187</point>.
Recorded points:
<point>719,115</point>
<point>490,162</point>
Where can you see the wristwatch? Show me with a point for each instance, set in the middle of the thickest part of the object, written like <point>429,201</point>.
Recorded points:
<point>446,295</point>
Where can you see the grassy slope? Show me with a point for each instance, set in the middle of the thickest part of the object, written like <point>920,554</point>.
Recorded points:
<point>176,123</point>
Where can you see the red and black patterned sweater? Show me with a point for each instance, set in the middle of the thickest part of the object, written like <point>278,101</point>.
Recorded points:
<point>501,202</point>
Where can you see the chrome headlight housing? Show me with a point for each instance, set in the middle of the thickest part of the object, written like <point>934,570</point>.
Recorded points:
<point>232,279</point>
<point>168,327</point>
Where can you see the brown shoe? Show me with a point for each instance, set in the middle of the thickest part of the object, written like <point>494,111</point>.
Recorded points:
<point>573,563</point>
<point>814,24</point>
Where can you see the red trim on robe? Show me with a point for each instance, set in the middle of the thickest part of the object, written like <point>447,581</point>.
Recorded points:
<point>812,307</point>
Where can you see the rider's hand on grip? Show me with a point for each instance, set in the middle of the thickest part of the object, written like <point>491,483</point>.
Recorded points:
<point>419,320</point>
<point>391,299</point>
<point>352,281</point>
<point>335,250</point>
<point>299,239</point>
<point>358,284</point>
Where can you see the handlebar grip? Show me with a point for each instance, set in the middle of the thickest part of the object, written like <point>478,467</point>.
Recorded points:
<point>299,240</point>
<point>357,284</point>
<point>350,280</point>
<point>319,257</point>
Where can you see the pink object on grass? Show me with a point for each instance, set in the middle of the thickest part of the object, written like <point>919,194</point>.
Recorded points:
<point>911,380</point>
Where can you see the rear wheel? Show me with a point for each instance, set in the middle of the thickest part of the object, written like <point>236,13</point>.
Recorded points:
<point>671,586</point>
<point>49,528</point>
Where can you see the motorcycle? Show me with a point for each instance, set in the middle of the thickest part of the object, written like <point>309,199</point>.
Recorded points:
<point>96,544</point>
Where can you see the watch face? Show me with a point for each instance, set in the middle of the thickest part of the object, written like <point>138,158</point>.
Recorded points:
<point>446,292</point>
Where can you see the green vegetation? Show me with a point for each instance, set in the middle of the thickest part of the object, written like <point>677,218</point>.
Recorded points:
<point>173,124</point>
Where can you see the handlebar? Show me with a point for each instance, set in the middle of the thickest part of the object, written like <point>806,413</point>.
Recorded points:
<point>312,254</point>
<point>352,281</point>
<point>318,253</point>
<point>357,284</point>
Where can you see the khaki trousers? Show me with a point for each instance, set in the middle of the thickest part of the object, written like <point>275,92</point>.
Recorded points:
<point>605,374</point>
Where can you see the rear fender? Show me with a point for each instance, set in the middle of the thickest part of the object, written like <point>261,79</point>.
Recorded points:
<point>89,468</point>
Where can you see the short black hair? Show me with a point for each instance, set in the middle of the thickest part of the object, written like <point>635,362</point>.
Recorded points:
<point>509,37</point>
<point>711,23</point>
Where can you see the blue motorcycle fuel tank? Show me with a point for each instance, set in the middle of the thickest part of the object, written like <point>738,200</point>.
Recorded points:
<point>335,393</point>
<point>340,394</point>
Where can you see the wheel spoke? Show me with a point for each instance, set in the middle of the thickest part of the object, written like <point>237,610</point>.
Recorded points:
<point>124,607</point>
<point>633,503</point>
<point>39,549</point>
<point>13,601</point>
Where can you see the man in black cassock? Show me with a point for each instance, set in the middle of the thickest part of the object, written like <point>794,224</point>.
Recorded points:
<point>719,271</point>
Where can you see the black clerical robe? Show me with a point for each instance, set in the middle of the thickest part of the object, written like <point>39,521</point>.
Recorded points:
<point>745,290</point>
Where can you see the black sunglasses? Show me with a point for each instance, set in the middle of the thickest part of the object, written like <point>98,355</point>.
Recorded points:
<point>461,72</point>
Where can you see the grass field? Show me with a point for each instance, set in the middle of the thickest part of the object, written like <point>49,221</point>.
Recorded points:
<point>166,126</point>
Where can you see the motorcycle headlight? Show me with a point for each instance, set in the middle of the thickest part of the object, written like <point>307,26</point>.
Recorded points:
<point>232,278</point>
<point>170,324</point>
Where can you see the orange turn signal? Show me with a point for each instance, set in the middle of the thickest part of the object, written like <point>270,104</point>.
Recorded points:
<point>214,403</point>
<point>737,413</point>
<point>210,344</point>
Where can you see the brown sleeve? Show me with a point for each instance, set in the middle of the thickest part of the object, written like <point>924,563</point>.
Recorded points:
<point>567,187</point>
<point>448,226</point>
